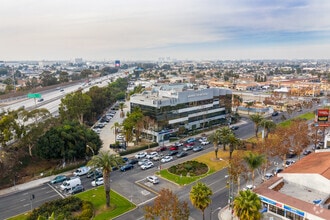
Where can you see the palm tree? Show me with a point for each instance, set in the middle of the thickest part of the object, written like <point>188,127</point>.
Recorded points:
<point>121,107</point>
<point>254,161</point>
<point>200,196</point>
<point>247,205</point>
<point>224,133</point>
<point>248,105</point>
<point>106,161</point>
<point>115,126</point>
<point>268,126</point>
<point>233,141</point>
<point>237,101</point>
<point>215,139</point>
<point>256,119</point>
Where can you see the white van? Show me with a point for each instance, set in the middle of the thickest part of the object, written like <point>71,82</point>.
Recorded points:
<point>71,183</point>
<point>81,171</point>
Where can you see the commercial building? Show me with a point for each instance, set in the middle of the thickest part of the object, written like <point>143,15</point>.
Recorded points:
<point>180,107</point>
<point>301,191</point>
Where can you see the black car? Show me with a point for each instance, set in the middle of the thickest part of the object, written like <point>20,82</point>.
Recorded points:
<point>306,152</point>
<point>182,154</point>
<point>275,114</point>
<point>132,161</point>
<point>77,189</point>
<point>126,167</point>
<point>172,152</point>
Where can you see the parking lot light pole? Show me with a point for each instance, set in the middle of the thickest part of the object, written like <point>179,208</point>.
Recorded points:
<point>89,147</point>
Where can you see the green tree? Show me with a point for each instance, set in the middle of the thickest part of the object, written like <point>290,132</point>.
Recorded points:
<point>167,206</point>
<point>224,134</point>
<point>254,161</point>
<point>48,78</point>
<point>75,106</point>
<point>237,101</point>
<point>106,161</point>
<point>200,196</point>
<point>64,77</point>
<point>247,205</point>
<point>256,119</point>
<point>248,105</point>
<point>268,126</point>
<point>233,142</point>
<point>215,138</point>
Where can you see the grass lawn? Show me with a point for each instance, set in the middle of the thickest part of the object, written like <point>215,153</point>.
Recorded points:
<point>119,204</point>
<point>209,159</point>
<point>306,116</point>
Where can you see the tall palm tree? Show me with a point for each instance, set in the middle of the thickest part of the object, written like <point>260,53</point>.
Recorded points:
<point>200,196</point>
<point>106,161</point>
<point>121,107</point>
<point>215,139</point>
<point>256,119</point>
<point>268,126</point>
<point>115,126</point>
<point>247,205</point>
<point>254,161</point>
<point>233,142</point>
<point>237,101</point>
<point>224,133</point>
<point>248,105</point>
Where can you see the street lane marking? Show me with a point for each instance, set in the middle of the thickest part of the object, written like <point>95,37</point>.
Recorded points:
<point>26,205</point>
<point>219,190</point>
<point>22,200</point>
<point>25,194</point>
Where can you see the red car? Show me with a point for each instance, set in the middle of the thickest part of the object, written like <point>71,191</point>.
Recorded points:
<point>174,148</point>
<point>163,148</point>
<point>189,145</point>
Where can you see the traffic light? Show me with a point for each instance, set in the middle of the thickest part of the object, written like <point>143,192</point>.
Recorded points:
<point>32,197</point>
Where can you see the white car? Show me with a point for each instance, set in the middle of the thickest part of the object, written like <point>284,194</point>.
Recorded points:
<point>202,139</point>
<point>147,165</point>
<point>153,179</point>
<point>166,159</point>
<point>268,176</point>
<point>152,155</point>
<point>249,187</point>
<point>143,161</point>
<point>98,182</point>
<point>205,142</point>
<point>140,155</point>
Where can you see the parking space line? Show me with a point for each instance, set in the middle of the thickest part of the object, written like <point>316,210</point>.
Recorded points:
<point>56,191</point>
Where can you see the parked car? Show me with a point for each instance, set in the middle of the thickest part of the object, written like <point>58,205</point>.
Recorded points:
<point>275,113</point>
<point>152,155</point>
<point>278,170</point>
<point>166,159</point>
<point>191,140</point>
<point>187,148</point>
<point>202,139</point>
<point>126,167</point>
<point>93,173</point>
<point>156,158</point>
<point>163,148</point>
<point>172,153</point>
<point>173,148</point>
<point>205,142</point>
<point>268,176</point>
<point>144,160</point>
<point>306,152</point>
<point>70,183</point>
<point>58,179</point>
<point>132,161</point>
<point>198,148</point>
<point>234,127</point>
<point>289,163</point>
<point>182,154</point>
<point>153,179</point>
<point>178,144</point>
<point>249,187</point>
<point>76,189</point>
<point>140,155</point>
<point>147,165</point>
<point>97,182</point>
<point>81,171</point>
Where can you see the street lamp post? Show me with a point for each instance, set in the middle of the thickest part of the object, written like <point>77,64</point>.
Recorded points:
<point>230,188</point>
<point>89,147</point>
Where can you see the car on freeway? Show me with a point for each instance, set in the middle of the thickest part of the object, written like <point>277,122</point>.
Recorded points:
<point>76,189</point>
<point>172,148</point>
<point>97,182</point>
<point>187,148</point>
<point>58,179</point>
<point>198,148</point>
<point>289,163</point>
<point>152,155</point>
<point>166,159</point>
<point>182,154</point>
<point>40,100</point>
<point>144,160</point>
<point>163,148</point>
<point>147,165</point>
<point>140,155</point>
<point>172,153</point>
<point>205,142</point>
<point>268,176</point>
<point>152,179</point>
<point>126,167</point>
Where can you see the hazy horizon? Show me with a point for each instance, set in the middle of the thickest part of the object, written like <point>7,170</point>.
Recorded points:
<point>148,30</point>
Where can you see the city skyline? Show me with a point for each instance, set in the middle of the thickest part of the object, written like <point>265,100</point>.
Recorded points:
<point>147,30</point>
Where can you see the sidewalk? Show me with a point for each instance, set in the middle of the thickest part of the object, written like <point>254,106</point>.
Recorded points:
<point>226,214</point>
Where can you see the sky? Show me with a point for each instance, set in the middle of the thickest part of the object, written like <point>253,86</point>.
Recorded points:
<point>152,29</point>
